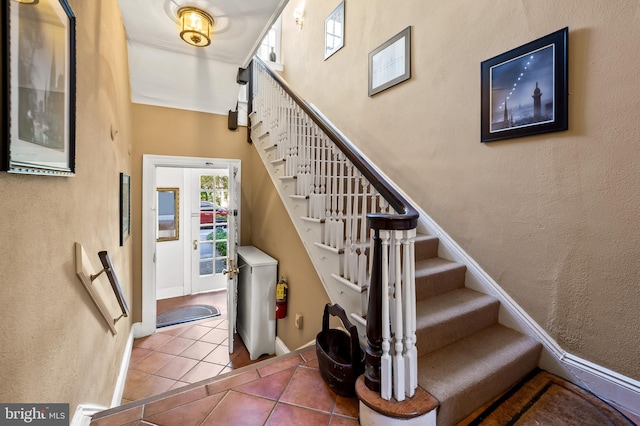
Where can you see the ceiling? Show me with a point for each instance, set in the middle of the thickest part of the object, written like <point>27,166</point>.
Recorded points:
<point>166,71</point>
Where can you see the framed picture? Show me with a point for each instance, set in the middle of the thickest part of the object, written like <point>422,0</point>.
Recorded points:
<point>390,63</point>
<point>125,207</point>
<point>168,223</point>
<point>38,88</point>
<point>334,31</point>
<point>524,91</point>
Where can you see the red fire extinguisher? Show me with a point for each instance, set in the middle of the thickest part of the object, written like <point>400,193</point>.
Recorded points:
<point>281,299</point>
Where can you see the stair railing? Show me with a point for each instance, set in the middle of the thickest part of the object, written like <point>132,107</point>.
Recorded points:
<point>365,219</point>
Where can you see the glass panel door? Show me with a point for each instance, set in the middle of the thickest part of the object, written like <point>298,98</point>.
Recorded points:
<point>212,239</point>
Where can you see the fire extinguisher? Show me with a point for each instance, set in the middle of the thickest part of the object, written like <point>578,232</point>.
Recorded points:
<point>281,299</point>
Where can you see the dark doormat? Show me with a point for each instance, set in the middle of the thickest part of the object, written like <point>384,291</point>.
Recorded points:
<point>544,399</point>
<point>186,314</point>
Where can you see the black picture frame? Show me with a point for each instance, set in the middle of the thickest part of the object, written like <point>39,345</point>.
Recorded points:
<point>525,91</point>
<point>37,87</point>
<point>125,207</point>
<point>390,63</point>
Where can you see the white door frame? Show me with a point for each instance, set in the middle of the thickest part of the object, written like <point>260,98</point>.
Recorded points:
<point>149,165</point>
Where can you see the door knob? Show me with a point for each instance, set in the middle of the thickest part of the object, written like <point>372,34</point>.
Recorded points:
<point>195,244</point>
<point>232,271</point>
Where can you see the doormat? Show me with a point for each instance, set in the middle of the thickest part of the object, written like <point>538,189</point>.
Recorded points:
<point>186,314</point>
<point>545,399</point>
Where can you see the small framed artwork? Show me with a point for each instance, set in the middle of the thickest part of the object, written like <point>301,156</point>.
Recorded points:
<point>390,63</point>
<point>524,91</point>
<point>168,223</point>
<point>334,31</point>
<point>125,207</point>
<point>38,87</point>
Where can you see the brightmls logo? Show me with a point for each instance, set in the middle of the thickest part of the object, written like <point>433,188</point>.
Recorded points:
<point>34,414</point>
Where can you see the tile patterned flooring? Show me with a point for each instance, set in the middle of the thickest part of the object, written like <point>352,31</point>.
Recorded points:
<point>186,353</point>
<point>286,390</point>
<point>184,375</point>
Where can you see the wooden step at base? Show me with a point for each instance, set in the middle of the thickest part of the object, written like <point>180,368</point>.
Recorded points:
<point>470,372</point>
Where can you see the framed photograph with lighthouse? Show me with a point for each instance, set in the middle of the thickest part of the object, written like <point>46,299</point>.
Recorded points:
<point>524,91</point>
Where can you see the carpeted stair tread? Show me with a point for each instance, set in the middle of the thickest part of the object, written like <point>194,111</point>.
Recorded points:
<point>436,276</point>
<point>470,372</point>
<point>443,319</point>
<point>426,246</point>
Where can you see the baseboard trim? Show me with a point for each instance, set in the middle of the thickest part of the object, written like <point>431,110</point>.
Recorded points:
<point>116,400</point>
<point>617,389</point>
<point>84,413</point>
<point>281,348</point>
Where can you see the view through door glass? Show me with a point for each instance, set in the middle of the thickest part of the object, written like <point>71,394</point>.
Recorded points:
<point>214,204</point>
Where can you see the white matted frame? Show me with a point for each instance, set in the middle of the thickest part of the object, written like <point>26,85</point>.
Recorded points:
<point>390,63</point>
<point>334,31</point>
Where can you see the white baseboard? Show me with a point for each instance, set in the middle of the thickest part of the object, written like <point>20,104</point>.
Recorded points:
<point>620,391</point>
<point>281,348</point>
<point>124,367</point>
<point>83,414</point>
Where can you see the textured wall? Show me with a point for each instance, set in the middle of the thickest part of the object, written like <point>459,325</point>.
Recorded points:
<point>552,218</point>
<point>55,345</point>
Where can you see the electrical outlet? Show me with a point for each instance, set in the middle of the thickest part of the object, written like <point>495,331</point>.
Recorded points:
<point>299,321</point>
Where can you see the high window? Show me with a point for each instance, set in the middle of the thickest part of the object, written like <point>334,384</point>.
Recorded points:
<point>271,44</point>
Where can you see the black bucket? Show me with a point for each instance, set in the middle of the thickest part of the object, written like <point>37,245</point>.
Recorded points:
<point>340,358</point>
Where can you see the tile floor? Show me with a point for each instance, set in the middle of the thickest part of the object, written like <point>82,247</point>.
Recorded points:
<point>186,353</point>
<point>184,375</point>
<point>286,390</point>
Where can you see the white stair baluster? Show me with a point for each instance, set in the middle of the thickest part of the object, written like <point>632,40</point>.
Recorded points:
<point>386,369</point>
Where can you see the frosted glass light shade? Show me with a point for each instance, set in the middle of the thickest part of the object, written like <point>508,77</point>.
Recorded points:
<point>195,26</point>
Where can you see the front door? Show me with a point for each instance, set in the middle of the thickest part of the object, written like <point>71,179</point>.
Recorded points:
<point>232,266</point>
<point>210,236</point>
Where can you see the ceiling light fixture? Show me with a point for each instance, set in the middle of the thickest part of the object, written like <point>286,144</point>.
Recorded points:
<point>195,26</point>
<point>28,1</point>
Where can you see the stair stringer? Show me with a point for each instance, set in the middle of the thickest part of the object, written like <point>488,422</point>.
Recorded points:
<point>325,261</point>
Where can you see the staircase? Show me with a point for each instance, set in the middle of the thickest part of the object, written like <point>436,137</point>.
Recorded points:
<point>465,358</point>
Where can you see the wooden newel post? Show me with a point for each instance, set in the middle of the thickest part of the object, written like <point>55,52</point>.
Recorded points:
<point>374,319</point>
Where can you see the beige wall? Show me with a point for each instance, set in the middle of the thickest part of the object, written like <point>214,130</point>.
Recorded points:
<point>168,131</point>
<point>552,218</point>
<point>55,345</point>
<point>274,233</point>
<point>264,220</point>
